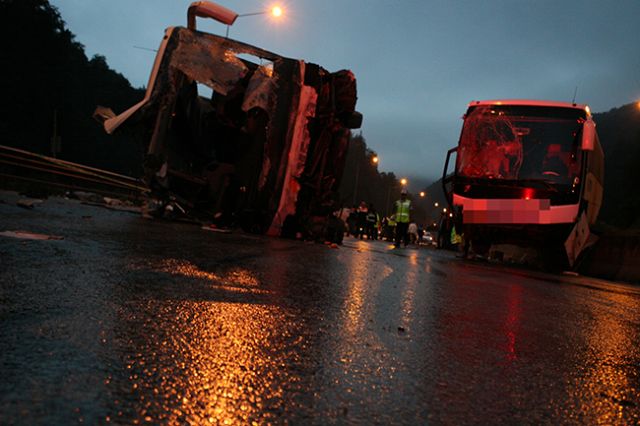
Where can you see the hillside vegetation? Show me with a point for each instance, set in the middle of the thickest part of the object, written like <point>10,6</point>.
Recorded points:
<point>50,86</point>
<point>619,132</point>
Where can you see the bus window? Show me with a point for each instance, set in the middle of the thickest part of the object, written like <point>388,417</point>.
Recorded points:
<point>556,161</point>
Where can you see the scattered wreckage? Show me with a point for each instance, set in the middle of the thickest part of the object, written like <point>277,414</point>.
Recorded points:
<point>264,150</point>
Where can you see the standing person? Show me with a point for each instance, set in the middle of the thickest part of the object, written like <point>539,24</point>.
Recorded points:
<point>345,212</point>
<point>388,229</point>
<point>363,209</point>
<point>352,221</point>
<point>402,217</point>
<point>413,233</point>
<point>372,223</point>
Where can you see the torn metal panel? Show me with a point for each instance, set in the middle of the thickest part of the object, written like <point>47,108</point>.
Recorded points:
<point>158,83</point>
<point>297,157</point>
<point>208,62</point>
<point>260,91</point>
<point>264,150</point>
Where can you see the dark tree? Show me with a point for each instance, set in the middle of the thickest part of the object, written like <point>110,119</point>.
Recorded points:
<point>619,132</point>
<point>46,81</point>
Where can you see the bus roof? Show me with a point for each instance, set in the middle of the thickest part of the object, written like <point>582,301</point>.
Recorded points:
<point>529,102</point>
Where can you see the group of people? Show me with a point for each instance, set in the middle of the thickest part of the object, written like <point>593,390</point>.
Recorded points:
<point>364,220</point>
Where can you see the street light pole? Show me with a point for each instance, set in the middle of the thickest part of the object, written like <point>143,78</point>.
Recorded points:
<point>374,160</point>
<point>355,188</point>
<point>208,9</point>
<point>423,194</point>
<point>403,182</point>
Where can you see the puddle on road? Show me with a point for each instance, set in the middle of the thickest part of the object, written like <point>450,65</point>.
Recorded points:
<point>235,279</point>
<point>217,363</point>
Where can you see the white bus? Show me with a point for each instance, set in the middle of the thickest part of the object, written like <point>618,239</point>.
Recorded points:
<point>527,173</point>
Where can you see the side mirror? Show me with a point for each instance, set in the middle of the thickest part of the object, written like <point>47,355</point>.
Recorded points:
<point>352,120</point>
<point>588,135</point>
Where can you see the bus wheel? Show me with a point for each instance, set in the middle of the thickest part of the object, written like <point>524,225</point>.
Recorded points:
<point>480,247</point>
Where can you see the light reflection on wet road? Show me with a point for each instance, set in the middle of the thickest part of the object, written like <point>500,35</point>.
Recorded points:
<point>131,322</point>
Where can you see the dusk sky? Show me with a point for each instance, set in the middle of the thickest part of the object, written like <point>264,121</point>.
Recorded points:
<point>418,62</point>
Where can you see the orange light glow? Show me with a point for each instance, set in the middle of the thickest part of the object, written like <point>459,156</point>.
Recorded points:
<point>276,11</point>
<point>375,159</point>
<point>235,280</point>
<point>422,194</point>
<point>403,181</point>
<point>212,356</point>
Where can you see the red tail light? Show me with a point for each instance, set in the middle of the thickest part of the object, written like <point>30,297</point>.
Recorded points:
<point>527,193</point>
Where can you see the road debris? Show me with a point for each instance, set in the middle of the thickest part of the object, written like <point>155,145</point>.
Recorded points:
<point>25,235</point>
<point>29,203</point>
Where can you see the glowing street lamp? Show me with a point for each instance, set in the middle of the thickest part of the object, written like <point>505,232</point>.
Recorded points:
<point>422,194</point>
<point>403,182</point>
<point>435,204</point>
<point>375,159</point>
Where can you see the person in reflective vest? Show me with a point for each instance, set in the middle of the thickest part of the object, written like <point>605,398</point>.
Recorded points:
<point>402,217</point>
<point>389,228</point>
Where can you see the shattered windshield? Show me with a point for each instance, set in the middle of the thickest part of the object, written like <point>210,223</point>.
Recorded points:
<point>520,142</point>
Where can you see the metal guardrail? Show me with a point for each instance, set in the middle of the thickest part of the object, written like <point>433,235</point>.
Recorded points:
<point>28,168</point>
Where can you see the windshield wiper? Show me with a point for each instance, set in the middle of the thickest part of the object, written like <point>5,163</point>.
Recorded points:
<point>516,183</point>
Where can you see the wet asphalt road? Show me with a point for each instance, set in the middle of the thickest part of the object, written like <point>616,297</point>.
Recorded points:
<point>127,321</point>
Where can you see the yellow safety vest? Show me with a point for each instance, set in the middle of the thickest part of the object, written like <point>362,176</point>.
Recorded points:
<point>455,237</point>
<point>402,211</point>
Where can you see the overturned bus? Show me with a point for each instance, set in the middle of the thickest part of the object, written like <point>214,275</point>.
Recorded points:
<point>528,173</point>
<point>240,136</point>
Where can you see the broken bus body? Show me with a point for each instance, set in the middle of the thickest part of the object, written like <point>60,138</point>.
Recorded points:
<point>528,173</point>
<point>263,147</point>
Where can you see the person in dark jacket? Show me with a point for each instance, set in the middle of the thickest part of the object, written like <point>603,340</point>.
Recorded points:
<point>363,209</point>
<point>372,223</point>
